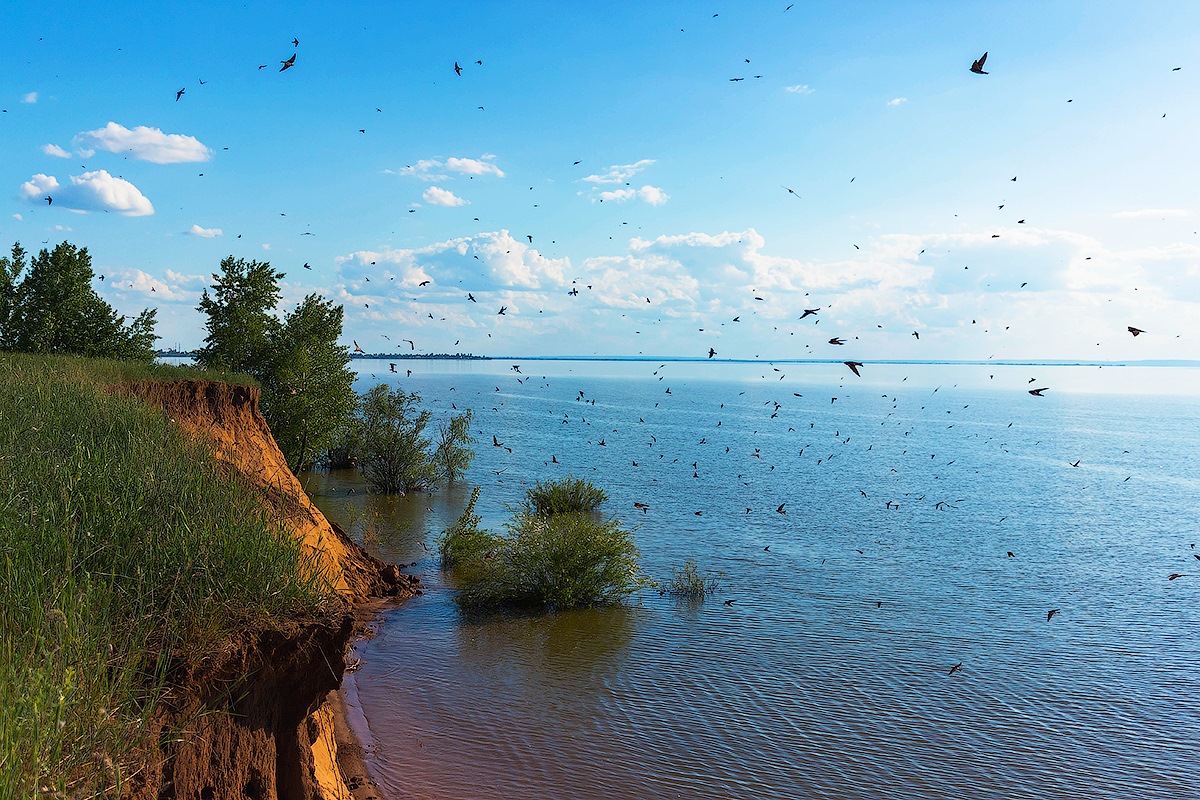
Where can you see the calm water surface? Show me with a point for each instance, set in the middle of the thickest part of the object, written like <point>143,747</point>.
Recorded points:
<point>828,676</point>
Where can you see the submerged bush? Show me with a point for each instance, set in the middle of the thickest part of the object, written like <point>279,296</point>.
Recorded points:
<point>689,583</point>
<point>465,542</point>
<point>563,496</point>
<point>555,561</point>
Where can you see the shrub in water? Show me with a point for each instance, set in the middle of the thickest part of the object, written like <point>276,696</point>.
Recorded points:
<point>555,561</point>
<point>563,496</point>
<point>464,542</point>
<point>689,583</point>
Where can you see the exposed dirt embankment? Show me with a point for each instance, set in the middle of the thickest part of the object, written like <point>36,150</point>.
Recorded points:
<point>256,718</point>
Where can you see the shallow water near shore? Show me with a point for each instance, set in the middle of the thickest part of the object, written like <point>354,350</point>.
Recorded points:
<point>828,676</point>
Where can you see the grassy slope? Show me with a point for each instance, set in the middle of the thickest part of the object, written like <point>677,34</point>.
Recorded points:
<point>120,544</point>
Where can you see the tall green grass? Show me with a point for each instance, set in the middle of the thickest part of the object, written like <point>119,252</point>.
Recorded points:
<point>689,583</point>
<point>124,550</point>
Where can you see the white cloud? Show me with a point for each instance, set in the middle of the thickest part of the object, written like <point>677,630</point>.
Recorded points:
<point>147,144</point>
<point>799,88</point>
<point>204,233</point>
<point>18,217</point>
<point>895,101</point>
<point>30,98</point>
<point>1152,212</point>
<point>471,166</point>
<point>649,194</point>
<point>437,196</point>
<point>619,173</point>
<point>437,169</point>
<point>173,287</point>
<point>55,150</point>
<point>91,191</point>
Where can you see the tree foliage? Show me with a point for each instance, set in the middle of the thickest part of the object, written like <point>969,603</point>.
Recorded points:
<point>392,449</point>
<point>393,446</point>
<point>306,382</point>
<point>53,308</point>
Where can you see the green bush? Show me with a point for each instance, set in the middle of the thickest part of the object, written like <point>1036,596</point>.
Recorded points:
<point>453,453</point>
<point>689,583</point>
<point>464,542</point>
<point>392,446</point>
<point>555,561</point>
<point>563,496</point>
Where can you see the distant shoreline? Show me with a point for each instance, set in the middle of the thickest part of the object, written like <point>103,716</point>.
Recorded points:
<point>700,360</point>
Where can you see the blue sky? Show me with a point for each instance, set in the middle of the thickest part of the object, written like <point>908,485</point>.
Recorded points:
<point>677,217</point>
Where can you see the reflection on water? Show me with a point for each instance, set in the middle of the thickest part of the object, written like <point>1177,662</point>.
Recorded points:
<point>828,676</point>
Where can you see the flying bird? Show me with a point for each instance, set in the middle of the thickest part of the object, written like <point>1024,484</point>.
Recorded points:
<point>357,349</point>
<point>956,668</point>
<point>295,42</point>
<point>1038,392</point>
<point>836,340</point>
<point>977,65</point>
<point>502,310</point>
<point>809,312</point>
<point>457,69</point>
<point>291,62</point>
<point>711,352</point>
<point>1174,576</point>
<point>780,509</point>
<point>306,266</point>
<point>411,344</point>
<point>1051,613</point>
<point>179,94</point>
<point>854,365</point>
<point>1135,331</point>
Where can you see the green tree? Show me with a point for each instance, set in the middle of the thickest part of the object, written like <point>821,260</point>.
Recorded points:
<point>453,453</point>
<point>241,322</point>
<point>307,386</point>
<point>393,446</point>
<point>54,309</point>
<point>304,373</point>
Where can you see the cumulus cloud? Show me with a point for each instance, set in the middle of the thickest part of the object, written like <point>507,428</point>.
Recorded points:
<point>146,144</point>
<point>172,287</point>
<point>473,166</point>
<point>437,196</point>
<point>1152,212</point>
<point>438,169</point>
<point>484,262</point>
<point>649,194</point>
<point>204,233</point>
<point>30,98</point>
<point>18,217</point>
<point>55,150</point>
<point>619,173</point>
<point>799,88</point>
<point>91,191</point>
<point>896,101</point>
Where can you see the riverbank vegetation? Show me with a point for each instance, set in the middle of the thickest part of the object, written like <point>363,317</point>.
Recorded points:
<point>127,550</point>
<point>550,560</point>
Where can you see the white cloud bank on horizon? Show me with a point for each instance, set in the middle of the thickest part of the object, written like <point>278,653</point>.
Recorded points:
<point>91,191</point>
<point>437,196</point>
<point>143,143</point>
<point>681,289</point>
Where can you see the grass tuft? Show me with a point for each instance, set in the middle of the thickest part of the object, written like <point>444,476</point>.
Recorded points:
<point>689,583</point>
